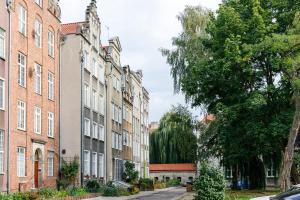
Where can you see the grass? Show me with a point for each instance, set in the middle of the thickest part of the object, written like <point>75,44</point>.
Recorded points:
<point>247,194</point>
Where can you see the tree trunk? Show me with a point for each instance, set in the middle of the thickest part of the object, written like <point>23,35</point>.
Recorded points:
<point>287,161</point>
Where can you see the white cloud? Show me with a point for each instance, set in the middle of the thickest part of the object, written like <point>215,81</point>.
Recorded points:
<point>143,27</point>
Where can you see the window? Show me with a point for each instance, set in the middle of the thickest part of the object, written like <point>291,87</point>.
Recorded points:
<point>112,111</point>
<point>228,172</point>
<point>86,160</point>
<point>39,2</point>
<point>38,78</point>
<point>86,60</point>
<point>21,115</point>
<point>22,20</point>
<point>101,105</point>
<point>115,82</point>
<point>38,34</point>
<point>50,163</point>
<point>101,132</point>
<point>87,95</point>
<point>51,44</point>
<point>101,74</point>
<point>101,165</point>
<point>50,124</point>
<point>1,151</point>
<point>87,127</point>
<point>22,70</point>
<point>2,94</point>
<point>21,162</point>
<point>271,171</point>
<point>120,141</point>
<point>50,86</point>
<point>94,100</point>
<point>37,120</point>
<point>94,68</point>
<point>95,130</point>
<point>120,115</point>
<point>2,43</point>
<point>94,164</point>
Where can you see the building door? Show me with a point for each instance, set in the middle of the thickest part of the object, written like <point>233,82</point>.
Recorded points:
<point>36,173</point>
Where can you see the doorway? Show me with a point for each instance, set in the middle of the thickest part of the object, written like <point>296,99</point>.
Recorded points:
<point>37,168</point>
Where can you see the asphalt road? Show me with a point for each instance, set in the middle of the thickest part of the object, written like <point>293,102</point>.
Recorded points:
<point>162,195</point>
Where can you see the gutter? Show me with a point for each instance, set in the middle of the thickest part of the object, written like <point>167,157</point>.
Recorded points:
<point>8,4</point>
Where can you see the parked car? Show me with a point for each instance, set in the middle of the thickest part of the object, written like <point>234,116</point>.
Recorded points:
<point>291,194</point>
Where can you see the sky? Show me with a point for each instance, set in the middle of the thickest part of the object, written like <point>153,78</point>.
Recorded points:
<point>143,26</point>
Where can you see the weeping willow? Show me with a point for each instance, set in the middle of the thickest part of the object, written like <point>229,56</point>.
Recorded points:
<point>174,140</point>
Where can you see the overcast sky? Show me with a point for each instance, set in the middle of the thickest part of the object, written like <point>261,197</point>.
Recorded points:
<point>143,26</point>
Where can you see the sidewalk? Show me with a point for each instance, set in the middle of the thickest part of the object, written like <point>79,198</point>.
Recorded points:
<point>141,194</point>
<point>186,196</point>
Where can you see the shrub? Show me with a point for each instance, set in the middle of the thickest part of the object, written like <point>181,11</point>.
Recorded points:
<point>173,182</point>
<point>92,186</point>
<point>47,193</point>
<point>130,175</point>
<point>77,192</point>
<point>69,172</point>
<point>159,185</point>
<point>210,184</point>
<point>110,191</point>
<point>146,184</point>
<point>135,190</point>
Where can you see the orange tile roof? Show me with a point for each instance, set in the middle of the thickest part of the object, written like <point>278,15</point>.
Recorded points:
<point>208,118</point>
<point>70,28</point>
<point>173,167</point>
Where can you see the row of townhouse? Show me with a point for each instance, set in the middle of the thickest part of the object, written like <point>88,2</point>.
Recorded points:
<point>63,94</point>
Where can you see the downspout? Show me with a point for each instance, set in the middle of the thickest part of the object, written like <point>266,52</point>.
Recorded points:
<point>8,4</point>
<point>59,107</point>
<point>81,117</point>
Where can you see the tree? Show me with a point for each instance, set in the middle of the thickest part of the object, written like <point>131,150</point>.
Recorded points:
<point>130,175</point>
<point>242,64</point>
<point>174,141</point>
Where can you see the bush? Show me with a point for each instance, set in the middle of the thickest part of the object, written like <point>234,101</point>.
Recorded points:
<point>110,191</point>
<point>159,185</point>
<point>210,184</point>
<point>130,175</point>
<point>77,192</point>
<point>47,193</point>
<point>173,182</point>
<point>92,186</point>
<point>146,184</point>
<point>69,172</point>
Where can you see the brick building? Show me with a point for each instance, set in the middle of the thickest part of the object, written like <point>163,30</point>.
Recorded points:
<point>34,102</point>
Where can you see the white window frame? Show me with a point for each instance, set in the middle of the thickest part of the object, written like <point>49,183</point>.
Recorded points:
<point>86,161</point>
<point>51,39</point>
<point>21,118</point>
<point>22,59</point>
<point>87,127</point>
<point>38,27</point>
<point>94,164</point>
<point>50,162</point>
<point>86,60</point>
<point>87,95</point>
<point>101,73</point>
<point>37,120</point>
<point>101,132</point>
<point>51,124</point>
<point>101,165</point>
<point>95,130</point>
<point>94,99</point>
<point>21,162</point>
<point>38,78</point>
<point>271,171</point>
<point>2,43</point>
<point>22,20</point>
<point>2,94</point>
<point>1,151</point>
<point>50,86</point>
<point>39,3</point>
<point>101,105</point>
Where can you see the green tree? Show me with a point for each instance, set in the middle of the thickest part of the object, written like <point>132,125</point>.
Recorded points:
<point>130,175</point>
<point>243,65</point>
<point>174,141</point>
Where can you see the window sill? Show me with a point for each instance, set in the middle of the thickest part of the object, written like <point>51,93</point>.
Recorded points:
<point>51,137</point>
<point>52,57</point>
<point>1,58</point>
<point>23,34</point>
<point>51,100</point>
<point>23,130</point>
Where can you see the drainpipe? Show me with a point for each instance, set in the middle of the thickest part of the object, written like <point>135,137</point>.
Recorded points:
<point>8,4</point>
<point>81,118</point>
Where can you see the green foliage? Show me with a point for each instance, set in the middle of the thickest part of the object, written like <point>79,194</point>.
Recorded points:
<point>243,66</point>
<point>174,141</point>
<point>77,192</point>
<point>113,191</point>
<point>130,175</point>
<point>210,184</point>
<point>146,184</point>
<point>69,172</point>
<point>159,185</point>
<point>92,186</point>
<point>173,182</point>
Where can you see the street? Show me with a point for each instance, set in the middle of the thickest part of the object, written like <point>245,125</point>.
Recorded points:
<point>162,194</point>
